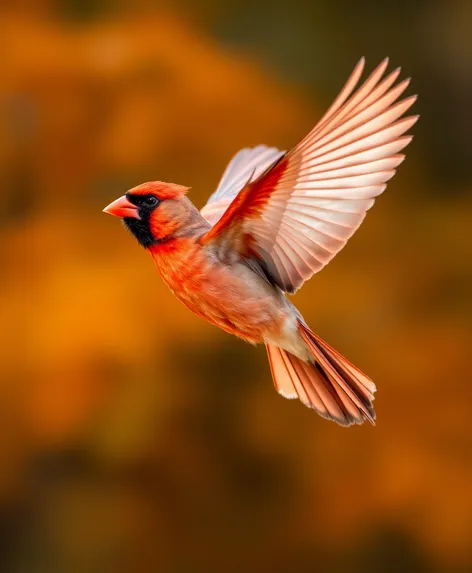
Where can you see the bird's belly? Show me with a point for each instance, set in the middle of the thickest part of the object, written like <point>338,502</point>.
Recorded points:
<point>233,305</point>
<point>232,297</point>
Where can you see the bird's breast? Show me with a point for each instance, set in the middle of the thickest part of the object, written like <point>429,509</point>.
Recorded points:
<point>232,297</point>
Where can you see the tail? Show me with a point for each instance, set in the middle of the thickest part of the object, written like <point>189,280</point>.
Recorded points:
<point>329,383</point>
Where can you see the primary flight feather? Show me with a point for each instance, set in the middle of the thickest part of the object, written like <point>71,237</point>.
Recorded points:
<point>275,219</point>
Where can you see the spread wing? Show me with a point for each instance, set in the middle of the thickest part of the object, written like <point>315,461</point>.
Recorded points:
<point>245,166</point>
<point>301,212</point>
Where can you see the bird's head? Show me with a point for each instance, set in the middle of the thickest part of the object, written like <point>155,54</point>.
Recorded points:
<point>154,212</point>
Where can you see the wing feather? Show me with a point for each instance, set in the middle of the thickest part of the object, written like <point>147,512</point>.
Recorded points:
<point>245,166</point>
<point>302,207</point>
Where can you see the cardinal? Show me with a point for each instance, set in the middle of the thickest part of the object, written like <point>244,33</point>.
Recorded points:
<point>275,219</point>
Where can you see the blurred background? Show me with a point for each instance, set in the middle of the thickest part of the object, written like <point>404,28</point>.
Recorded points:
<point>134,437</point>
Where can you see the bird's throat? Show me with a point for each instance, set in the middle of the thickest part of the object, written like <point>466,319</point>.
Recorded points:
<point>141,231</point>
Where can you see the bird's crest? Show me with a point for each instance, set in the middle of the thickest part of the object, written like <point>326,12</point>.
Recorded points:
<point>161,189</point>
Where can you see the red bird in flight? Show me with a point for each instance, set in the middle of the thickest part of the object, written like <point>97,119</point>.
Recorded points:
<point>275,219</point>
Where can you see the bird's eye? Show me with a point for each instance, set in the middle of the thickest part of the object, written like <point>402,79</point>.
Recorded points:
<point>151,201</point>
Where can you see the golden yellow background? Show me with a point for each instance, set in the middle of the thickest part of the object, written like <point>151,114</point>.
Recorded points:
<point>136,438</point>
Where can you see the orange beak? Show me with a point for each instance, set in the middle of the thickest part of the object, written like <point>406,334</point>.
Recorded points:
<point>122,208</point>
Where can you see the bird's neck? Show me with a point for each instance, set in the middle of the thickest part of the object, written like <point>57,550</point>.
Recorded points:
<point>192,226</point>
<point>180,256</point>
<point>178,260</point>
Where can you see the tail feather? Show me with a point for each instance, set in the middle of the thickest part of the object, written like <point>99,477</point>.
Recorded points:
<point>329,383</point>
<point>281,375</point>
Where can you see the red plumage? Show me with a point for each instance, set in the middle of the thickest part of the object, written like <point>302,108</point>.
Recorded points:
<point>275,220</point>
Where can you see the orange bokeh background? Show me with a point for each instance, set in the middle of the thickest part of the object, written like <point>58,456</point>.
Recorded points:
<point>136,437</point>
